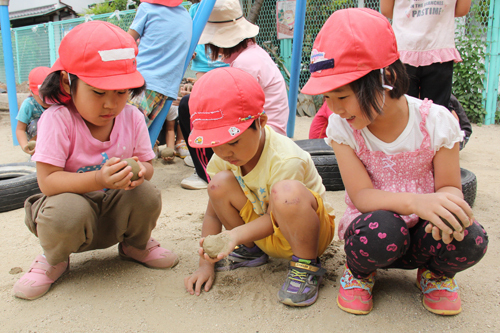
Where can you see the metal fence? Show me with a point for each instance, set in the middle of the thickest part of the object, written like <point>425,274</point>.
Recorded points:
<point>37,45</point>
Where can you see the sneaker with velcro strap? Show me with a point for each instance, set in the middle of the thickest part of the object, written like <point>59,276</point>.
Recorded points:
<point>302,282</point>
<point>242,256</point>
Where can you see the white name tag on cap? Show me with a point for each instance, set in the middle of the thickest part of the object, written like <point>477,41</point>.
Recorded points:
<point>117,54</point>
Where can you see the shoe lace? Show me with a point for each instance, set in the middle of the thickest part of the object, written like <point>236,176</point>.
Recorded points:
<point>297,275</point>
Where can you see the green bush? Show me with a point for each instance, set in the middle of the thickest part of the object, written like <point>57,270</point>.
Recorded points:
<point>468,75</point>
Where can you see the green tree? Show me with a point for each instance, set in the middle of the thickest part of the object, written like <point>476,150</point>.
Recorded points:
<point>111,6</point>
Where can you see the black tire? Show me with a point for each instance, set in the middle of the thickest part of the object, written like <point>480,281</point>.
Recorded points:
<point>469,186</point>
<point>329,171</point>
<point>315,147</point>
<point>17,183</point>
<point>325,161</point>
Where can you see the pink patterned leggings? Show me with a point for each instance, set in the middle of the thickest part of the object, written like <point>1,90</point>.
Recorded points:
<point>381,239</point>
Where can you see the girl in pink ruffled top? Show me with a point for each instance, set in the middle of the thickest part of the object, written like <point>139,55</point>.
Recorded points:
<point>398,158</point>
<point>425,33</point>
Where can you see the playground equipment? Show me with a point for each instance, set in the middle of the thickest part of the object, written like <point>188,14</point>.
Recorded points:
<point>8,59</point>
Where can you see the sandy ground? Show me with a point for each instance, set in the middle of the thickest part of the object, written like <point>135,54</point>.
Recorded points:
<point>103,293</point>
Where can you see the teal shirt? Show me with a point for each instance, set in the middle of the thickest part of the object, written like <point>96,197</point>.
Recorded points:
<point>30,110</point>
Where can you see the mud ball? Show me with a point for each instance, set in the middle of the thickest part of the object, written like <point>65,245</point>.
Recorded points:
<point>31,145</point>
<point>167,152</point>
<point>448,224</point>
<point>215,244</point>
<point>135,168</point>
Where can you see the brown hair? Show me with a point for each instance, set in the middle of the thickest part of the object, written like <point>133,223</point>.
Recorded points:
<point>213,51</point>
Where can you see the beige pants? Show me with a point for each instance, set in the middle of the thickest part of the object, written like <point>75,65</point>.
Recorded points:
<point>69,223</point>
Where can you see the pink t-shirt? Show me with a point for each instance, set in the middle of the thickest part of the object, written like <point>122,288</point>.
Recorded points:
<point>257,62</point>
<point>64,140</point>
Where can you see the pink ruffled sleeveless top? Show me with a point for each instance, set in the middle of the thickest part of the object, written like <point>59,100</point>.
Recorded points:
<point>403,172</point>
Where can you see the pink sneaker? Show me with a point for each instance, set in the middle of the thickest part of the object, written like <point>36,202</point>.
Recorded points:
<point>440,293</point>
<point>153,256</point>
<point>39,278</point>
<point>355,295</point>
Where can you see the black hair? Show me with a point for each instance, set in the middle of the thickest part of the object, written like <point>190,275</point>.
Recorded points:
<point>51,88</point>
<point>368,89</point>
<point>253,125</point>
<point>213,50</point>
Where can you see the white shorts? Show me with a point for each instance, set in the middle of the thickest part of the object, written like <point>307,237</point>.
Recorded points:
<point>173,112</point>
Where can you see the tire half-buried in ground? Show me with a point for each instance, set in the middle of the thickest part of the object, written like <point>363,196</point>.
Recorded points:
<point>469,186</point>
<point>17,183</point>
<point>325,161</point>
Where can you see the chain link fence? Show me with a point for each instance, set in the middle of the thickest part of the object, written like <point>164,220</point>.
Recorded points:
<point>37,45</point>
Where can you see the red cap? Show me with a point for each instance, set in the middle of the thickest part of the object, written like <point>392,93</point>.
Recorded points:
<point>223,104</point>
<point>167,3</point>
<point>36,77</point>
<point>102,55</point>
<point>351,43</point>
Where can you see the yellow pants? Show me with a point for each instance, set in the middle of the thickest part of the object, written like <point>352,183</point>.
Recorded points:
<point>277,246</point>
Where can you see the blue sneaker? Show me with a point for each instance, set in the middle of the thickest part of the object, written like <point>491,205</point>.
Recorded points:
<point>302,282</point>
<point>242,256</point>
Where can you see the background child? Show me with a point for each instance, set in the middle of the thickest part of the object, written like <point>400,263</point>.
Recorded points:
<point>264,189</point>
<point>31,110</point>
<point>320,122</point>
<point>425,33</point>
<point>81,143</point>
<point>164,28</point>
<point>201,63</point>
<point>231,36</point>
<point>398,157</point>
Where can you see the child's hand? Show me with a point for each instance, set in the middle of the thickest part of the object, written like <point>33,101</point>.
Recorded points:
<point>435,207</point>
<point>228,244</point>
<point>204,275</point>
<point>29,148</point>
<point>141,175</point>
<point>116,174</point>
<point>177,101</point>
<point>186,89</point>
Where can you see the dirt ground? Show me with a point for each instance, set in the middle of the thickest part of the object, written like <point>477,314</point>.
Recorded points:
<point>105,294</point>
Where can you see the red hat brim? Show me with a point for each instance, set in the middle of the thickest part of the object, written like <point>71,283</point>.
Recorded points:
<point>115,82</point>
<point>207,138</point>
<point>323,84</point>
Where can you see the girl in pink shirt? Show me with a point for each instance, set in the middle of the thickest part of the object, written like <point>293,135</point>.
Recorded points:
<point>89,199</point>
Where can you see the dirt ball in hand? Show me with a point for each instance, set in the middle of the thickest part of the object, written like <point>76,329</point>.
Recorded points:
<point>215,244</point>
<point>31,145</point>
<point>135,168</point>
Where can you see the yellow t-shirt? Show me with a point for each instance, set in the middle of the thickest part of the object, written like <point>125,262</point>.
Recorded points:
<point>281,159</point>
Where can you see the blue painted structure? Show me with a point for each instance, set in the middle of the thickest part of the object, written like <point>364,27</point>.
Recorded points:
<point>8,59</point>
<point>298,39</point>
<point>492,63</point>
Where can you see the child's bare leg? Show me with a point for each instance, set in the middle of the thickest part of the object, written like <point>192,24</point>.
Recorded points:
<point>170,136</point>
<point>179,136</point>
<point>227,200</point>
<point>294,209</point>
<point>168,154</point>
